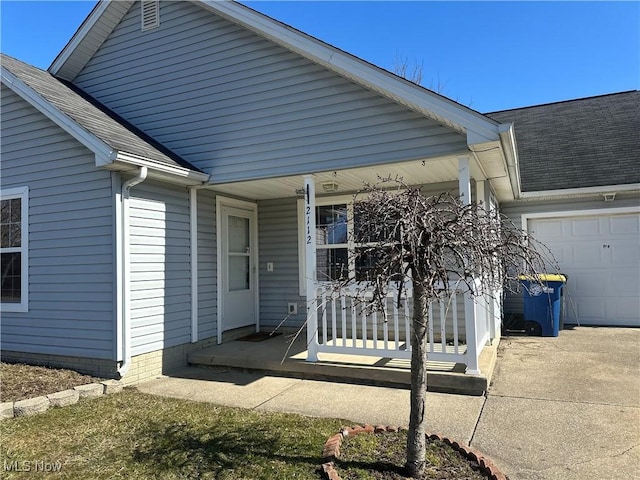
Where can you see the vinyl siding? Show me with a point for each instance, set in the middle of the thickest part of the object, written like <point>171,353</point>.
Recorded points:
<point>70,250</point>
<point>278,243</point>
<point>160,267</point>
<point>207,266</point>
<point>240,107</point>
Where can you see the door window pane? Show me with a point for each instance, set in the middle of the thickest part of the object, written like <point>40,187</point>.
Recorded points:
<point>238,273</point>
<point>238,234</point>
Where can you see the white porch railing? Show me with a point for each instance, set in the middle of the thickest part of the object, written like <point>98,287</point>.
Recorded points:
<point>459,327</point>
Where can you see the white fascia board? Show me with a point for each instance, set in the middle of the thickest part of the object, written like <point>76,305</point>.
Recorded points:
<point>404,92</point>
<point>77,39</point>
<point>104,154</point>
<point>510,151</point>
<point>506,144</point>
<point>583,191</point>
<point>176,171</point>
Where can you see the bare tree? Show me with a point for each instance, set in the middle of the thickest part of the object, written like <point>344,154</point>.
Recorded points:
<point>404,69</point>
<point>436,245</point>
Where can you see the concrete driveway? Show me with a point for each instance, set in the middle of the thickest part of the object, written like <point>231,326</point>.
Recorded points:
<point>566,407</point>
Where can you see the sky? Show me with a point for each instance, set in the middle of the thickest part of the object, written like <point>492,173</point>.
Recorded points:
<point>489,56</point>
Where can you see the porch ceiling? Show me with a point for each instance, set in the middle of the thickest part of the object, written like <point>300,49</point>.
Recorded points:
<point>416,172</point>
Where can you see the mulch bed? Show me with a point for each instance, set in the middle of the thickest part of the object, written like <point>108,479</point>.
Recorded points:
<point>20,382</point>
<point>384,457</point>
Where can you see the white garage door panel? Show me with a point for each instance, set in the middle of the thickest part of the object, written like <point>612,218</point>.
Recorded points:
<point>625,253</point>
<point>624,283</point>
<point>585,227</point>
<point>601,256</point>
<point>629,224</point>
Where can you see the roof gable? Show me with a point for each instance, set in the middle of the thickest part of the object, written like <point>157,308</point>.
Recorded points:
<point>92,124</point>
<point>582,143</point>
<point>102,20</point>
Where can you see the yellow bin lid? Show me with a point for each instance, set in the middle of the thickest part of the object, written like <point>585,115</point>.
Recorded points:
<point>544,277</point>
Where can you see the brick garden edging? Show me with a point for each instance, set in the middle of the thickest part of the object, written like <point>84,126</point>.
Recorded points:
<point>331,451</point>
<point>33,406</point>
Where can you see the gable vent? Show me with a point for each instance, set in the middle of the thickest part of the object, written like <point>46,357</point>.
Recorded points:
<point>150,13</point>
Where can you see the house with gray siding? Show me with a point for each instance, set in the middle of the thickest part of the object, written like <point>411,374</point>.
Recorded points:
<point>157,181</point>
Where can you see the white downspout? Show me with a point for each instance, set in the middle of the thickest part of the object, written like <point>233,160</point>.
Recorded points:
<point>193,220</point>
<point>126,270</point>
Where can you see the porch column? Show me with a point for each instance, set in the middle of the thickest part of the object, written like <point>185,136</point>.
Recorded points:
<point>310,264</point>
<point>470,319</point>
<point>470,304</point>
<point>464,179</point>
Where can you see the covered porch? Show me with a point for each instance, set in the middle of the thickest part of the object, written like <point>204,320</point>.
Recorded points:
<point>338,340</point>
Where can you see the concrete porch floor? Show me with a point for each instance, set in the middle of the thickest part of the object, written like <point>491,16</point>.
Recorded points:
<point>282,356</point>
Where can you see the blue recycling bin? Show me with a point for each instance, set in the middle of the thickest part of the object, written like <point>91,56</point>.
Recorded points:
<point>542,298</point>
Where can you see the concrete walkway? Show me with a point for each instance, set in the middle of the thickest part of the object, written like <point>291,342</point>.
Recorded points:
<point>558,408</point>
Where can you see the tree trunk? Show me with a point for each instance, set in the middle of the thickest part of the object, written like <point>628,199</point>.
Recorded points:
<point>416,441</point>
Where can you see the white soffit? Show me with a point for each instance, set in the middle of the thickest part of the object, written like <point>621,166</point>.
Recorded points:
<point>417,172</point>
<point>88,38</point>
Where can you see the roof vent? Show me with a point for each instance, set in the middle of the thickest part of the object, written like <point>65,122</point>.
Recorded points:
<point>150,14</point>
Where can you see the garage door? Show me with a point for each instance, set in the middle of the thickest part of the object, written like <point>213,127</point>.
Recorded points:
<point>601,256</point>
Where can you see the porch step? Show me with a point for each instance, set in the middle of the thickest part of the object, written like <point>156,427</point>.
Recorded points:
<point>281,356</point>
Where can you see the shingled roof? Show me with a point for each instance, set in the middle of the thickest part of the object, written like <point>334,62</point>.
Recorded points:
<point>92,116</point>
<point>588,142</point>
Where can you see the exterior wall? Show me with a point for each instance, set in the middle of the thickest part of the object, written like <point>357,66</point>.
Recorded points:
<point>207,266</point>
<point>89,366</point>
<point>515,210</point>
<point>278,243</point>
<point>238,106</point>
<point>160,267</point>
<point>152,364</point>
<point>143,367</point>
<point>71,252</point>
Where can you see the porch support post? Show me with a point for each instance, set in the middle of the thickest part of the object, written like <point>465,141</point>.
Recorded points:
<point>470,305</point>
<point>492,299</point>
<point>310,264</point>
<point>470,318</point>
<point>464,179</point>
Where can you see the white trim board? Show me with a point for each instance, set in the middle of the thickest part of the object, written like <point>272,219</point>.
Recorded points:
<point>632,187</point>
<point>23,194</point>
<point>576,213</point>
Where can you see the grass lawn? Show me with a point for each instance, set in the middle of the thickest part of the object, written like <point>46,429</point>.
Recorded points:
<point>138,436</point>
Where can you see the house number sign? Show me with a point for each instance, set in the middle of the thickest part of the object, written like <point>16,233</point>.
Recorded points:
<point>307,212</point>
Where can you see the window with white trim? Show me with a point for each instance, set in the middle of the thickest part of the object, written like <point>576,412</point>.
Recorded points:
<point>338,257</point>
<point>13,249</point>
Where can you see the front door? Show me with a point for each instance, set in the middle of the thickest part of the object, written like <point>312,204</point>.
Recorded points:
<point>238,268</point>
